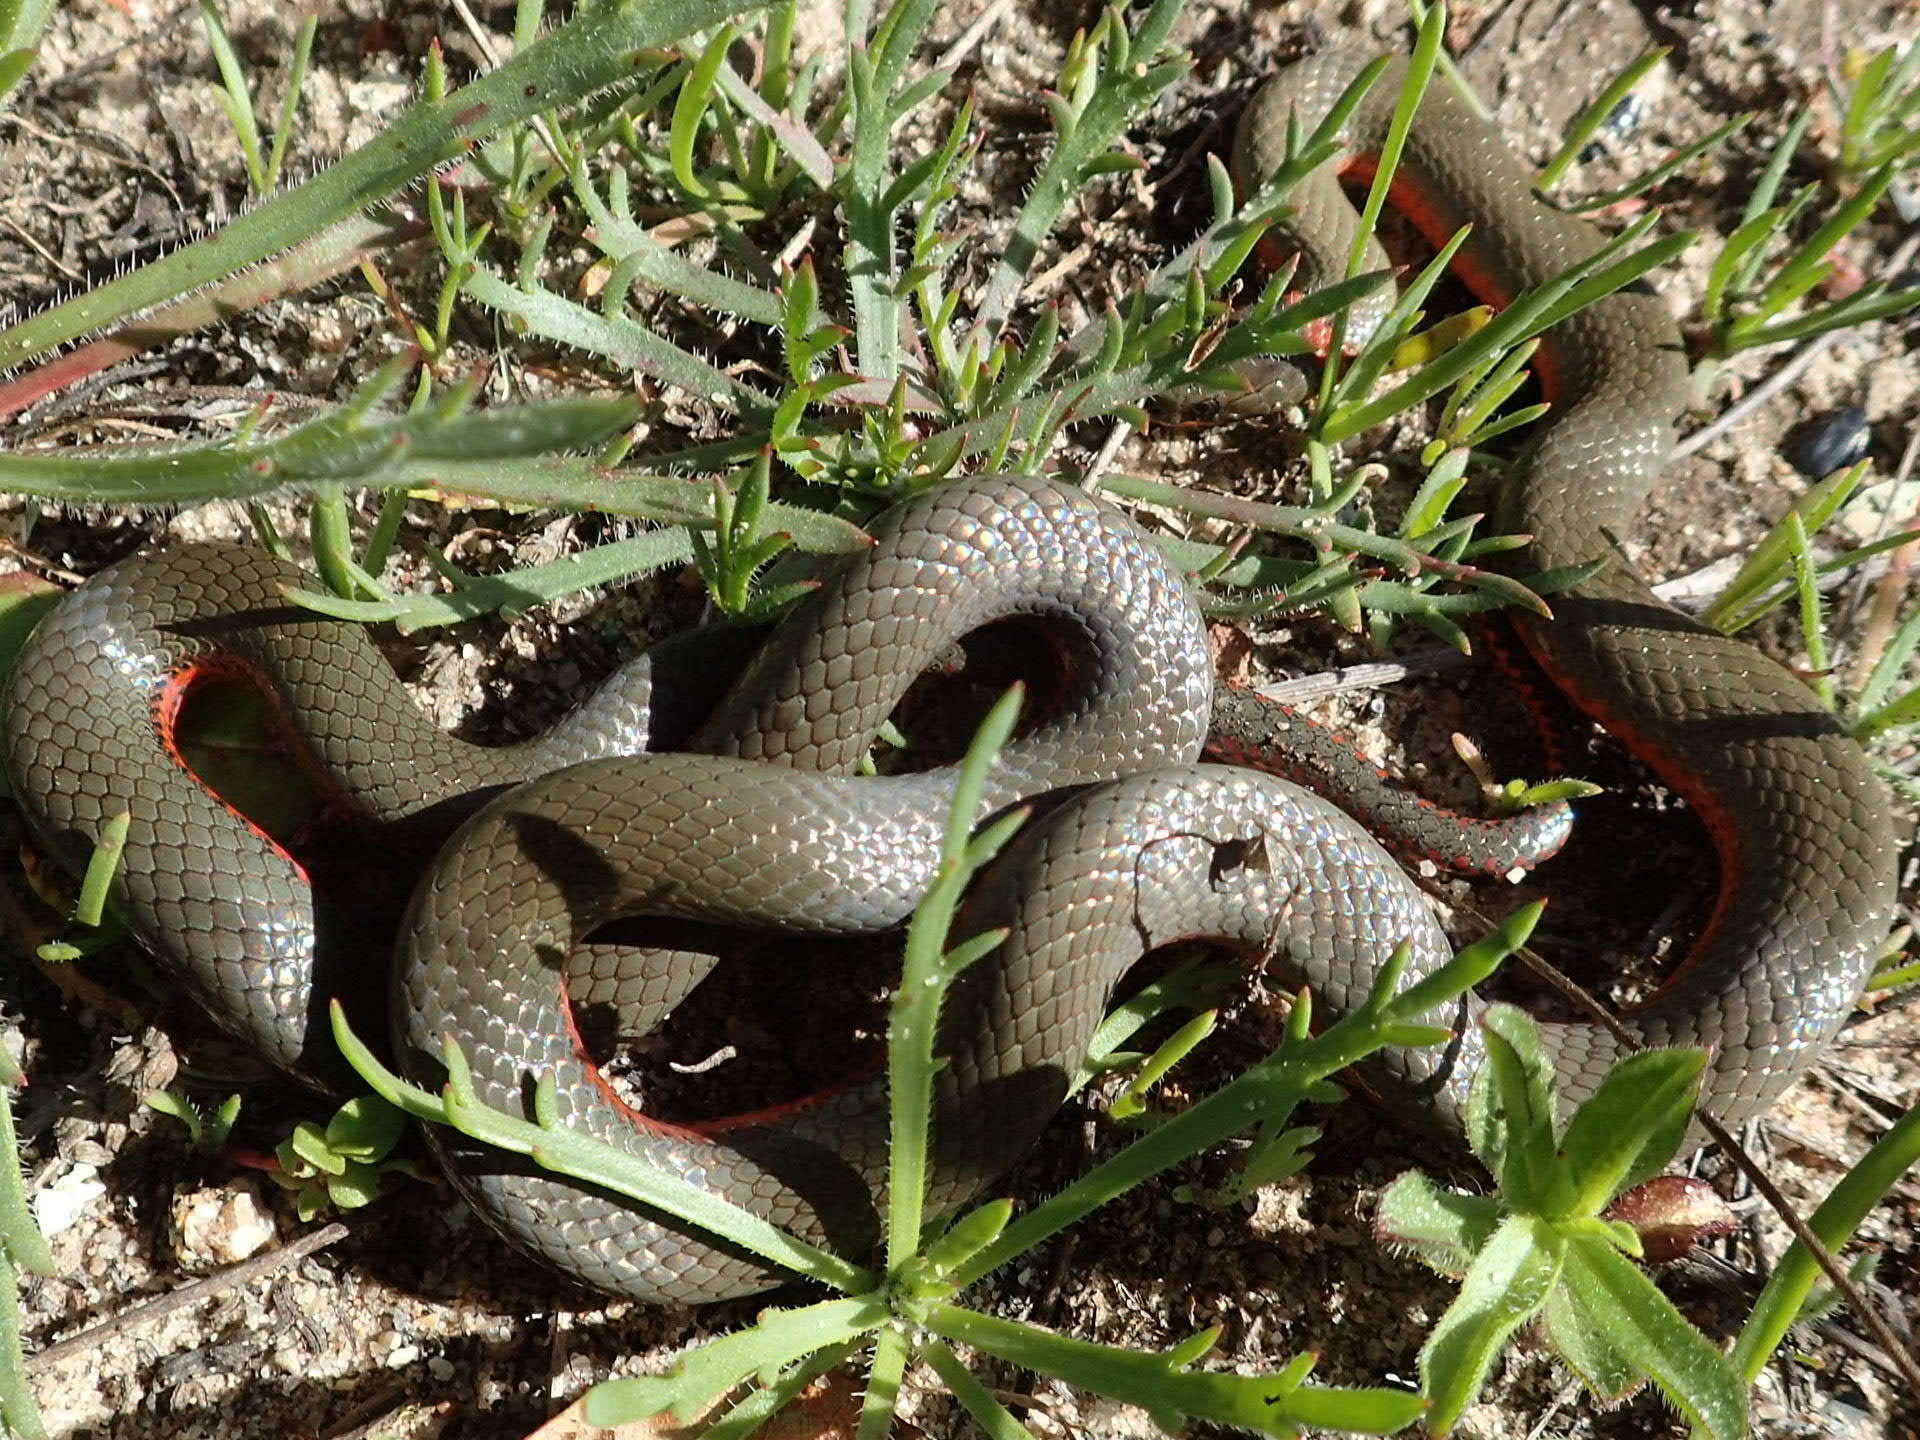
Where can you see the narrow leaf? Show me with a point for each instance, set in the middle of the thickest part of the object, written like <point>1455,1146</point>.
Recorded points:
<point>1647,1332</point>
<point>1506,1287</point>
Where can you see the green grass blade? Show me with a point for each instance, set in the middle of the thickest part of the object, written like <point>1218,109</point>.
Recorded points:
<point>1587,123</point>
<point>590,52</point>
<point>914,1015</point>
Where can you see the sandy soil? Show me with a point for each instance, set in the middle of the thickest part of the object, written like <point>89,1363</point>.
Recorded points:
<point>418,1322</point>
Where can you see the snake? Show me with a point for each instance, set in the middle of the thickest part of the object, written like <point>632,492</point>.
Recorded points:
<point>1800,824</point>
<point>758,819</point>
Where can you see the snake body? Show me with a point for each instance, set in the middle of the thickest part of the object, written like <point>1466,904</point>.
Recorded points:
<point>1800,823</point>
<point>765,827</point>
<point>765,831</point>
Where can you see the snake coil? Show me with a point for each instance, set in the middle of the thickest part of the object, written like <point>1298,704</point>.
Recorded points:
<point>766,827</point>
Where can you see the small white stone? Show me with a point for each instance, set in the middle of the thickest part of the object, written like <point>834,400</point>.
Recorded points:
<point>223,1226</point>
<point>58,1204</point>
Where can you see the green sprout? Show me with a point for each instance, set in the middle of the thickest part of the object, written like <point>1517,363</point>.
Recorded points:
<point>1542,1252</point>
<point>1880,123</point>
<point>345,1162</point>
<point>263,170</point>
<point>207,1130</point>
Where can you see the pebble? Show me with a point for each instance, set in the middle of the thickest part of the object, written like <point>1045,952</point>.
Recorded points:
<point>58,1204</point>
<point>1831,442</point>
<point>1621,122</point>
<point>216,1227</point>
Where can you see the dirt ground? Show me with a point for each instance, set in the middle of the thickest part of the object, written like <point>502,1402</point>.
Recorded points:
<point>416,1321</point>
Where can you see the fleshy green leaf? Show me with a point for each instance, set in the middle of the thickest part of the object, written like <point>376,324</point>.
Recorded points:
<point>357,1185</point>
<point>1615,1297</point>
<point>366,1128</point>
<point>1586,1347</point>
<point>1524,1109</point>
<point>968,1235</point>
<point>1443,1227</point>
<point>308,1142</point>
<point>1504,1289</point>
<point>1631,1127</point>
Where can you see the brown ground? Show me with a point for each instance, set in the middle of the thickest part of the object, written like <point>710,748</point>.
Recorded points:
<point>419,1322</point>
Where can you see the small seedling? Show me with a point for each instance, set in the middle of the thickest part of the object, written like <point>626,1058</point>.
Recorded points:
<point>1541,1251</point>
<point>207,1130</point>
<point>344,1162</point>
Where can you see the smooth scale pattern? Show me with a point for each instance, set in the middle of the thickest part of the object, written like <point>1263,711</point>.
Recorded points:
<point>1801,824</point>
<point>767,830</point>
